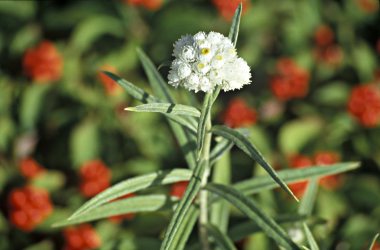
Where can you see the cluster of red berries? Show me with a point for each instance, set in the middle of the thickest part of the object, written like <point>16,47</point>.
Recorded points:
<point>110,86</point>
<point>227,8</point>
<point>290,81</point>
<point>239,114</point>
<point>368,6</point>
<point>30,168</point>
<point>43,63</point>
<point>95,177</point>
<point>28,207</point>
<point>83,237</point>
<point>320,159</point>
<point>147,4</point>
<point>326,50</point>
<point>364,104</point>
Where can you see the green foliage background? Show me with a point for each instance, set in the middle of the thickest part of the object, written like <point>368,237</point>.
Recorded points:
<point>73,120</point>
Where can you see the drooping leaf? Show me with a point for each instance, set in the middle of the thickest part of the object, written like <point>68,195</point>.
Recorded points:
<point>141,203</point>
<point>167,108</point>
<point>250,208</point>
<point>221,239</point>
<point>172,232</point>
<point>133,185</point>
<point>244,144</point>
<point>234,29</point>
<point>260,183</point>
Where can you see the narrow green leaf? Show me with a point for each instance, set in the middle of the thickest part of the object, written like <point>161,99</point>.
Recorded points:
<point>133,185</point>
<point>167,108</point>
<point>141,203</point>
<point>234,30</point>
<point>132,89</point>
<point>185,139</point>
<point>160,87</point>
<point>249,208</point>
<point>373,242</point>
<point>308,200</point>
<point>244,144</point>
<point>219,149</point>
<point>306,208</point>
<point>185,228</point>
<point>260,183</point>
<point>241,231</point>
<point>205,113</point>
<point>172,233</point>
<point>221,239</point>
<point>220,210</point>
<point>310,238</point>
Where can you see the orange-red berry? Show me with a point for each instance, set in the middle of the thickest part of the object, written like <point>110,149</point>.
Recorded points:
<point>290,80</point>
<point>95,177</point>
<point>83,237</point>
<point>30,168</point>
<point>178,189</point>
<point>364,104</point>
<point>43,63</point>
<point>239,114</point>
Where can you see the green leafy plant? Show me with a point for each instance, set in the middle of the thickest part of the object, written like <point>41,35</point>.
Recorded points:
<point>205,200</point>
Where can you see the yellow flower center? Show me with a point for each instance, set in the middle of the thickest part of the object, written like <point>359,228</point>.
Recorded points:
<point>201,65</point>
<point>219,57</point>
<point>205,51</point>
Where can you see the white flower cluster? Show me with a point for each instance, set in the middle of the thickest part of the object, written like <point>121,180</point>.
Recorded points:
<point>204,61</point>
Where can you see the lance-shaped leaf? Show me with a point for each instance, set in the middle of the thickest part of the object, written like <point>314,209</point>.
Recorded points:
<point>249,208</point>
<point>166,108</point>
<point>133,185</point>
<point>172,233</point>
<point>185,228</point>
<point>219,149</point>
<point>133,90</point>
<point>185,139</point>
<point>242,230</point>
<point>306,207</point>
<point>260,183</point>
<point>142,203</point>
<point>234,29</point>
<point>221,239</point>
<point>244,144</point>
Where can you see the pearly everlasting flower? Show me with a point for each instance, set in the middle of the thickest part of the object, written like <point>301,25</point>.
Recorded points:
<point>204,61</point>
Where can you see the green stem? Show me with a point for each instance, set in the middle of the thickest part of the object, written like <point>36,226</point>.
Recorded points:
<point>203,218</point>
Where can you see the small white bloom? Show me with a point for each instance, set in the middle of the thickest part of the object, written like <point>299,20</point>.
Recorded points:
<point>204,61</point>
<point>184,70</point>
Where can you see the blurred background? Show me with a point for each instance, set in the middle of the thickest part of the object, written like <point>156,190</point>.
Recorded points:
<point>64,134</point>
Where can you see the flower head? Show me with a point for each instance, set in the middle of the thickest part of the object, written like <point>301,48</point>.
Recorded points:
<point>204,61</point>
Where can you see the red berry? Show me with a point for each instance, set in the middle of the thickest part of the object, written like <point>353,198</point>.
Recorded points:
<point>178,189</point>
<point>43,63</point>
<point>30,168</point>
<point>110,86</point>
<point>364,104</point>
<point>239,114</point>
<point>227,8</point>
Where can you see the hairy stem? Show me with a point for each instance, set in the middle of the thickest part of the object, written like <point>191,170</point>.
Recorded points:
<point>203,218</point>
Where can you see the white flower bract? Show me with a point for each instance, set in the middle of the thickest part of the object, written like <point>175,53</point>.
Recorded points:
<point>204,61</point>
